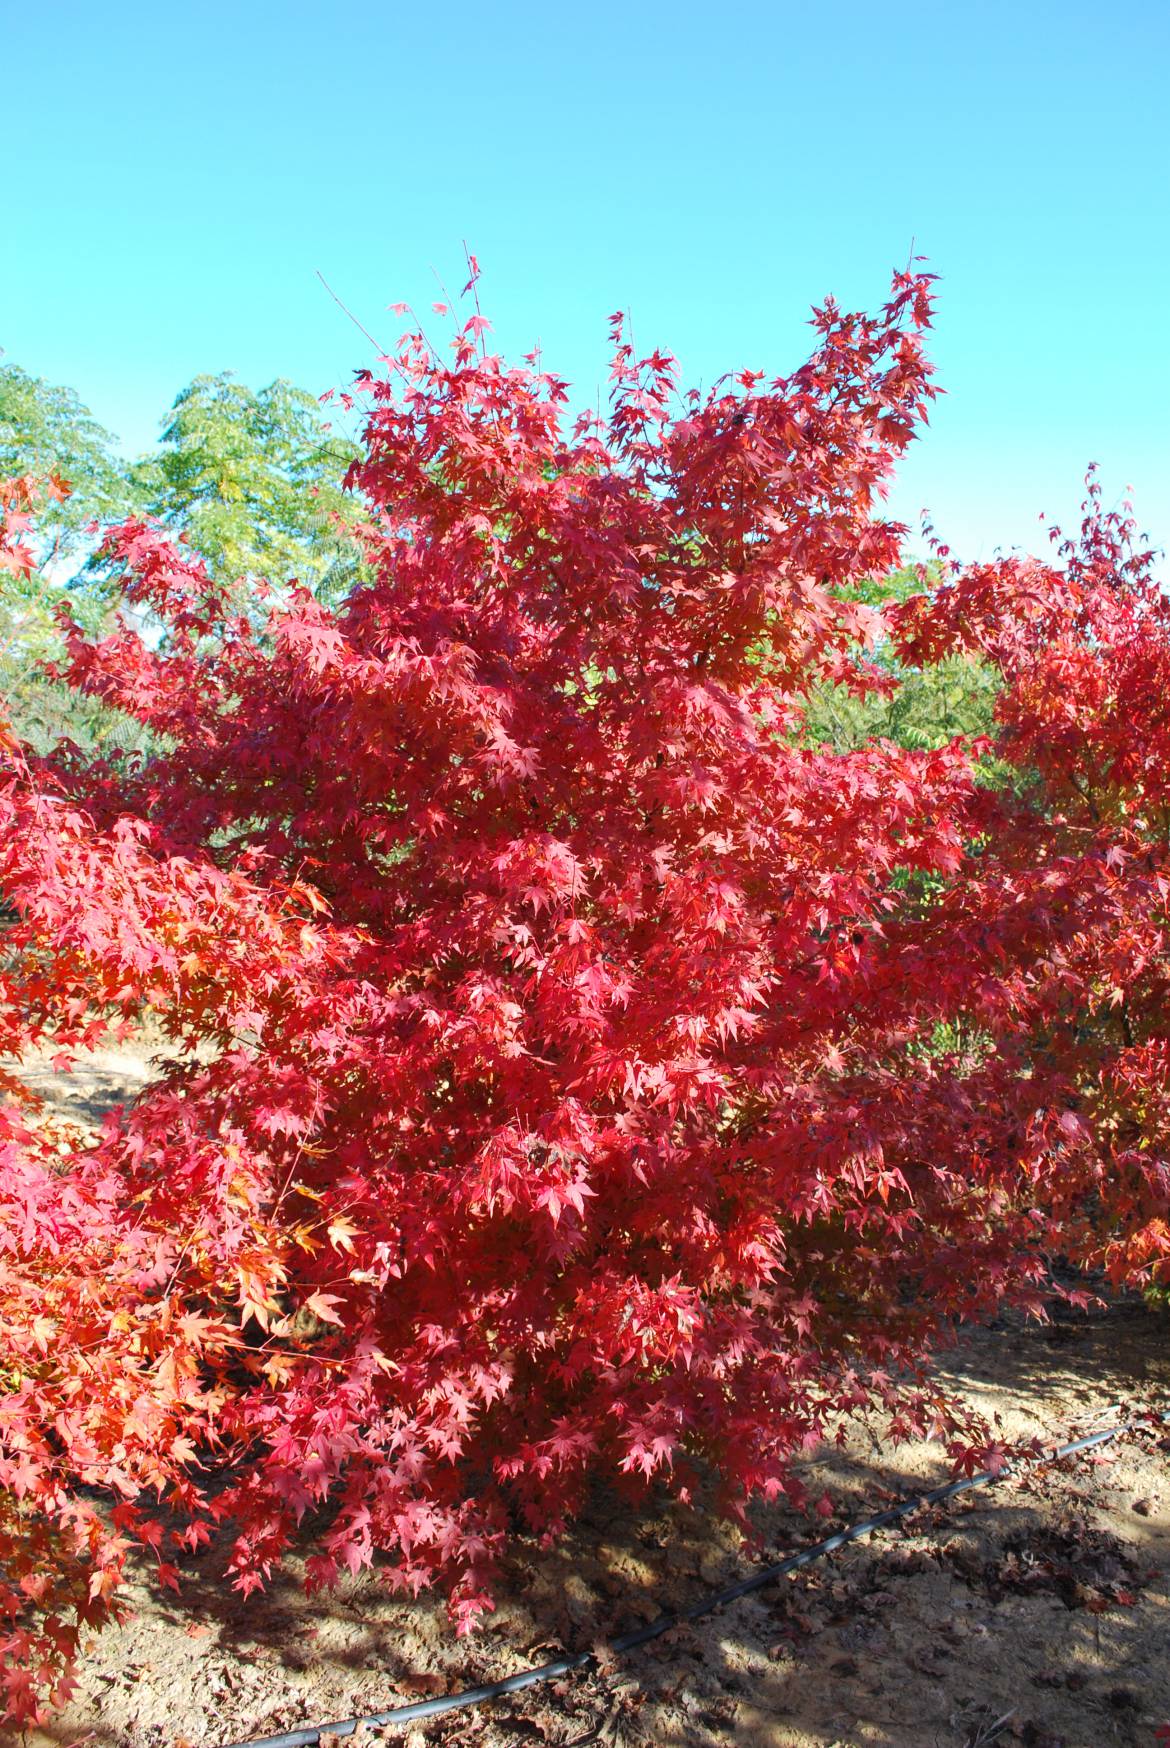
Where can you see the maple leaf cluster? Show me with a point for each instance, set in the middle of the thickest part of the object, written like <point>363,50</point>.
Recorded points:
<point>1054,941</point>
<point>557,1087</point>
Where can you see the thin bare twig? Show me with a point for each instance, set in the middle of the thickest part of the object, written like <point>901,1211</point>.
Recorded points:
<point>360,326</point>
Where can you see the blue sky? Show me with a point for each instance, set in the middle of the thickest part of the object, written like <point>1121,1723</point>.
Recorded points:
<point>178,173</point>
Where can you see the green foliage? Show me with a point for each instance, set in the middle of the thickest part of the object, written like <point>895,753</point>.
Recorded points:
<point>46,430</point>
<point>928,709</point>
<point>255,481</point>
<point>253,478</point>
<point>43,710</point>
<point>929,706</point>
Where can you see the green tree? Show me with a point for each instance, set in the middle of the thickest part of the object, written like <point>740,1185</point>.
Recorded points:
<point>929,706</point>
<point>254,479</point>
<point>46,430</point>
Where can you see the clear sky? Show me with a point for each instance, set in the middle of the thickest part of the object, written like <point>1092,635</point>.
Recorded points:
<point>176,174</point>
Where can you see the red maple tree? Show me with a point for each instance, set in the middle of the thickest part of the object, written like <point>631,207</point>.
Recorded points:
<point>562,1093</point>
<point>1054,941</point>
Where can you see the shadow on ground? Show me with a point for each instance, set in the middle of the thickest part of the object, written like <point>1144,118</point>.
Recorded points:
<point>1042,1604</point>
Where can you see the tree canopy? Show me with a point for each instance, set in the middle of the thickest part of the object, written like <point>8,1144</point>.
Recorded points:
<point>509,908</point>
<point>253,479</point>
<point>46,430</point>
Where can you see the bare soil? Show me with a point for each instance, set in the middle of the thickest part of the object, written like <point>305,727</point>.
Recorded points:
<point>1035,1611</point>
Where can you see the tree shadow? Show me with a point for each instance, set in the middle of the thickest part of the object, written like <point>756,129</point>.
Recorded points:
<point>911,1640</point>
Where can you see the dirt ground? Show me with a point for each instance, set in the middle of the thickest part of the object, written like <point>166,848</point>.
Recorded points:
<point>1036,1611</point>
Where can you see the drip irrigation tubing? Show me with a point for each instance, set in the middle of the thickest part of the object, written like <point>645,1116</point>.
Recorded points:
<point>310,1736</point>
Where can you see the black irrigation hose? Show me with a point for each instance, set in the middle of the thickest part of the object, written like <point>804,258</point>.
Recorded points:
<point>473,1696</point>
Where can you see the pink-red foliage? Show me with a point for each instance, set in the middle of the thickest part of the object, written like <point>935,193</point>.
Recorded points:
<point>568,1099</point>
<point>1054,942</point>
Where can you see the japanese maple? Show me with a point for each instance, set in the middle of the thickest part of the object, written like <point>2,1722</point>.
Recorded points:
<point>1054,942</point>
<point>561,1093</point>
